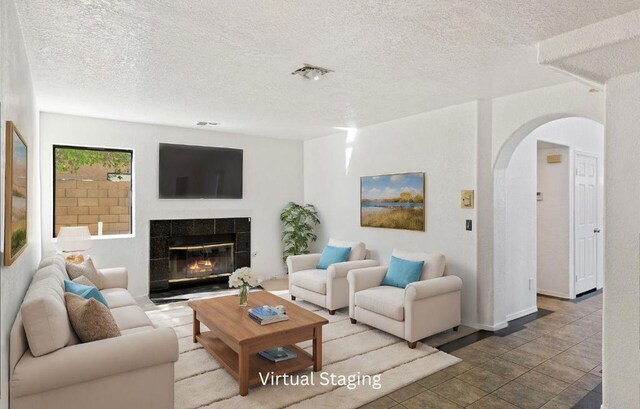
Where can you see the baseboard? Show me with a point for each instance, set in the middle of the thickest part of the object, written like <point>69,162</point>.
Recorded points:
<point>522,313</point>
<point>492,328</point>
<point>553,294</point>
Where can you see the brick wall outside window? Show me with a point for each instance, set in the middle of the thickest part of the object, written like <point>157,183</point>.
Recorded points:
<point>85,195</point>
<point>87,202</point>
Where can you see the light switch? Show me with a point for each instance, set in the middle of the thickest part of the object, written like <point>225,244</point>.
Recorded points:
<point>469,225</point>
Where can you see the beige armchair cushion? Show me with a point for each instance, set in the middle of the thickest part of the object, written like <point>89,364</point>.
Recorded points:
<point>314,280</point>
<point>358,249</point>
<point>434,264</point>
<point>44,316</point>
<point>383,300</point>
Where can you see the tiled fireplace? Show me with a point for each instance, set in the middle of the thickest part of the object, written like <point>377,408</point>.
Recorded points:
<point>188,252</point>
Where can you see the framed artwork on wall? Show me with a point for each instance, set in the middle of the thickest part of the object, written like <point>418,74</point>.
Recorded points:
<point>394,201</point>
<point>15,214</point>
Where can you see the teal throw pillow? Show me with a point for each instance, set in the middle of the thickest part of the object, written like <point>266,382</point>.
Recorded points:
<point>84,291</point>
<point>402,272</point>
<point>331,255</point>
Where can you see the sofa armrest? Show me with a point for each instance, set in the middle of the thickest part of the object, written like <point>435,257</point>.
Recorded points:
<point>302,262</point>
<point>361,279</point>
<point>339,270</point>
<point>432,287</point>
<point>84,362</point>
<point>117,277</point>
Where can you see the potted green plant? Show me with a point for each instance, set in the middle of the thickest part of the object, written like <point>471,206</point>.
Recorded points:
<point>299,222</point>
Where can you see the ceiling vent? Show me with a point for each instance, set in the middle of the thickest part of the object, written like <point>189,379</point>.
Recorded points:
<point>204,123</point>
<point>311,72</point>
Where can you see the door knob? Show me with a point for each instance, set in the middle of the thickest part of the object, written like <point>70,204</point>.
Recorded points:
<point>596,230</point>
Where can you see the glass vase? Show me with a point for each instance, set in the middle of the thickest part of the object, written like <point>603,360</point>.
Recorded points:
<point>244,295</point>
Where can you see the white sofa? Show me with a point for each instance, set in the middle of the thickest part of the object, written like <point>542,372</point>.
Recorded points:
<point>326,288</point>
<point>422,309</point>
<point>51,369</point>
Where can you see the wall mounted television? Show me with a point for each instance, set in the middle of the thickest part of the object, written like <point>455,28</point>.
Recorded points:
<point>199,172</point>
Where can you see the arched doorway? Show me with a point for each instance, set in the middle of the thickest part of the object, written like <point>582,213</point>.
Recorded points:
<point>505,289</point>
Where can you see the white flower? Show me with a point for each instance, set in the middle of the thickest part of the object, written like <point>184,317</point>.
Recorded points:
<point>243,276</point>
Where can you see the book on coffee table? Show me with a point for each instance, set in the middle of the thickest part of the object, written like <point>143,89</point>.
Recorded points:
<point>266,315</point>
<point>278,354</point>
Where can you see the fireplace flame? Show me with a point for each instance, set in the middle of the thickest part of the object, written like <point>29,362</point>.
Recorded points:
<point>201,265</point>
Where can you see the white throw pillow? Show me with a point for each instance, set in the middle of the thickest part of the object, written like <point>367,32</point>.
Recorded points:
<point>434,263</point>
<point>358,249</point>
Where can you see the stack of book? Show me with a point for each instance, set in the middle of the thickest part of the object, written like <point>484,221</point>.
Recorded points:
<point>278,354</point>
<point>266,315</point>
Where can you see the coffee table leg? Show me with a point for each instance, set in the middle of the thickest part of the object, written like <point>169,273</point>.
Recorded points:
<point>317,348</point>
<point>243,371</point>
<point>196,327</point>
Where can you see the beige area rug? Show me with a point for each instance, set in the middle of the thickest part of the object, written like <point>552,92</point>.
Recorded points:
<point>348,350</point>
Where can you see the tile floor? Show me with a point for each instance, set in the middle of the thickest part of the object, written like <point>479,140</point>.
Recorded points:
<point>553,362</point>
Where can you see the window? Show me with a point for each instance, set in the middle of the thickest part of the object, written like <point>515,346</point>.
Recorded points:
<point>92,188</point>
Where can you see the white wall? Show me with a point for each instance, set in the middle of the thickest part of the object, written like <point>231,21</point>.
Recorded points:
<point>18,105</point>
<point>272,177</point>
<point>441,144</point>
<point>536,107</point>
<point>579,134</point>
<point>621,354</point>
<point>553,247</point>
<point>513,117</point>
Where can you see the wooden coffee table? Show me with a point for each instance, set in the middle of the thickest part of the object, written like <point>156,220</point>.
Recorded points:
<point>235,339</point>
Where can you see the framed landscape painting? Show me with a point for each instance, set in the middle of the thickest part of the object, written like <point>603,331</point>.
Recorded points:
<point>15,222</point>
<point>394,201</point>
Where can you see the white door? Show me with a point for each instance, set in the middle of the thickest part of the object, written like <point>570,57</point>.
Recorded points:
<point>586,223</point>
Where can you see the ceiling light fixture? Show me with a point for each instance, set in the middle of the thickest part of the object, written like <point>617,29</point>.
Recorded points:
<point>311,72</point>
<point>204,123</point>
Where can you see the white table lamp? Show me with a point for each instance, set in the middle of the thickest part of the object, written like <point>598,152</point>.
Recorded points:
<point>74,240</point>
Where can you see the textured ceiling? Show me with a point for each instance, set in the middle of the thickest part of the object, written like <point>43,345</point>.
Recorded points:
<point>598,52</point>
<point>178,62</point>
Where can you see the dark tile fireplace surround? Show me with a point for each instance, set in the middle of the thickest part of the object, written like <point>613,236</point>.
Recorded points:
<point>178,247</point>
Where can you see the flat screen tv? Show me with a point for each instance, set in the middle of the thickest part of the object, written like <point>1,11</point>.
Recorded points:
<point>199,172</point>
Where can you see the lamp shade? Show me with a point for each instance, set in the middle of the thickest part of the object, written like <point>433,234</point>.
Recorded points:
<point>76,238</point>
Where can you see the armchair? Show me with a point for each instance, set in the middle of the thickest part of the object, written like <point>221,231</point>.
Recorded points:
<point>326,288</point>
<point>422,309</point>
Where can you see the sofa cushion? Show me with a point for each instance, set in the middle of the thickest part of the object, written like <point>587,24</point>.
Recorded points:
<point>358,249</point>
<point>52,270</point>
<point>87,269</point>
<point>56,259</point>
<point>434,264</point>
<point>84,291</point>
<point>44,316</point>
<point>384,300</point>
<point>312,280</point>
<point>332,255</point>
<point>91,320</point>
<point>130,316</point>
<point>118,297</point>
<point>137,329</point>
